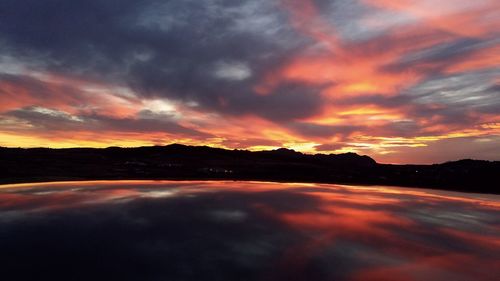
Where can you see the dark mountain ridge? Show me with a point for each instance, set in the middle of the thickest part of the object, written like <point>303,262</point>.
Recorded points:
<point>178,161</point>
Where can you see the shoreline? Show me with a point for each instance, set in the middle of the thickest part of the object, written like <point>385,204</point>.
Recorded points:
<point>40,181</point>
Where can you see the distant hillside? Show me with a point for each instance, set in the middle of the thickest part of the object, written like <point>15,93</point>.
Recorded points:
<point>200,162</point>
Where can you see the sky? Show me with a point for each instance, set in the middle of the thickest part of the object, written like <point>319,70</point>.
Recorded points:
<point>406,81</point>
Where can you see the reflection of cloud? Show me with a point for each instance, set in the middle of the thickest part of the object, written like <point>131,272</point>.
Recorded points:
<point>269,231</point>
<point>229,215</point>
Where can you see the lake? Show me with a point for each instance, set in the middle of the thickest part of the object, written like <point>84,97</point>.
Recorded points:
<point>231,230</point>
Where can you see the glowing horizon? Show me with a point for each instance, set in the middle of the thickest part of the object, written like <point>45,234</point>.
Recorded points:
<point>401,81</point>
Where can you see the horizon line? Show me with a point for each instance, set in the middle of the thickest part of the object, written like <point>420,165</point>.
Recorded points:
<point>240,149</point>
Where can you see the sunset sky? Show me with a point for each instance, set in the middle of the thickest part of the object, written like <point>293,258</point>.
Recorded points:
<point>403,81</point>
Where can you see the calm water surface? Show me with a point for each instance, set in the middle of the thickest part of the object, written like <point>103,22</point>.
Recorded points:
<point>194,230</point>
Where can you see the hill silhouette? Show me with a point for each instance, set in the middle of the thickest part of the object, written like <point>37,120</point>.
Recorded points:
<point>177,161</point>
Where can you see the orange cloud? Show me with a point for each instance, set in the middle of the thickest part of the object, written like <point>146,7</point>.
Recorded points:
<point>462,18</point>
<point>66,94</point>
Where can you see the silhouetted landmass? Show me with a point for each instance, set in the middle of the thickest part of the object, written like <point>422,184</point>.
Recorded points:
<point>200,162</point>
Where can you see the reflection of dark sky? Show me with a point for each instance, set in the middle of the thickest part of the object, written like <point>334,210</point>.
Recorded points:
<point>245,231</point>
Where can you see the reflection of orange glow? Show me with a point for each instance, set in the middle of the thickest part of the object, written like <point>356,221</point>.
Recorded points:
<point>334,222</point>
<point>347,222</point>
<point>430,267</point>
<point>379,225</point>
<point>340,221</point>
<point>480,240</point>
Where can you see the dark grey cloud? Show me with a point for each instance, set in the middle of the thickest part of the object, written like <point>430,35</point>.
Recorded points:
<point>160,123</point>
<point>400,128</point>
<point>433,60</point>
<point>287,101</point>
<point>456,97</point>
<point>164,49</point>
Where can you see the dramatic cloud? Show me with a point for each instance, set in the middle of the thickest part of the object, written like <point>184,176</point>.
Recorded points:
<point>370,76</point>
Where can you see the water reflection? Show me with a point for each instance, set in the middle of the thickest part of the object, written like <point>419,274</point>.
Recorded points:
<point>160,230</point>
